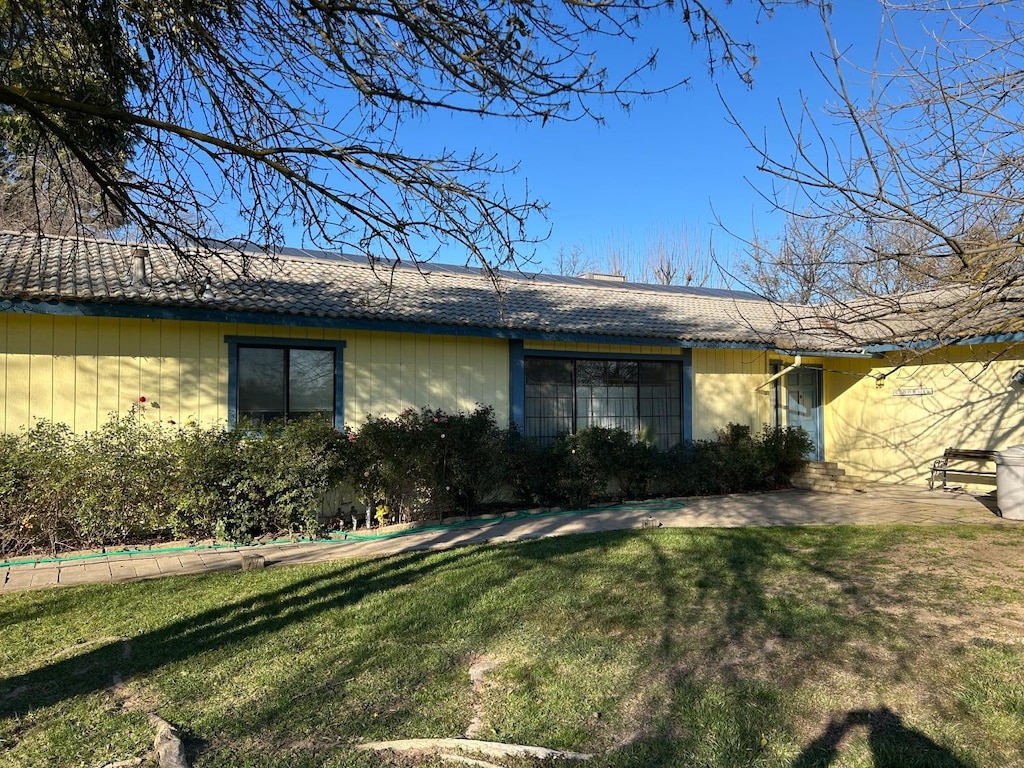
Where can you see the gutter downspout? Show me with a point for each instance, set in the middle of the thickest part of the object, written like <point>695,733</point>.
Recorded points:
<point>796,364</point>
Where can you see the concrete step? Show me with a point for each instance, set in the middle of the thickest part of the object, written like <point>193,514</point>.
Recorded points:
<point>826,476</point>
<point>828,486</point>
<point>818,471</point>
<point>824,464</point>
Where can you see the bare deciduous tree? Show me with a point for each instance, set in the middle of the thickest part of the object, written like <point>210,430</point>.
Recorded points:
<point>819,259</point>
<point>297,112</point>
<point>573,262</point>
<point>929,189</point>
<point>665,257</point>
<point>678,257</point>
<point>53,195</point>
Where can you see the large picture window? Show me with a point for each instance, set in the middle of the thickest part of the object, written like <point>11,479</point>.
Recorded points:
<point>568,394</point>
<point>284,381</point>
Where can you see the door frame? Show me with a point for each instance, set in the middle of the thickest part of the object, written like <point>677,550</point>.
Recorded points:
<point>780,410</point>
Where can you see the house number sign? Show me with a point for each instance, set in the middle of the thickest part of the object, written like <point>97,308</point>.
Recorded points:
<point>912,392</point>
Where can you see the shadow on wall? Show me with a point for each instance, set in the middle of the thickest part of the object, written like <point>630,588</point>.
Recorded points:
<point>895,432</point>
<point>892,743</point>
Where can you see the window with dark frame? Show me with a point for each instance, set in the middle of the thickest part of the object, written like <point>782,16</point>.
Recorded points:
<point>565,395</point>
<point>286,382</point>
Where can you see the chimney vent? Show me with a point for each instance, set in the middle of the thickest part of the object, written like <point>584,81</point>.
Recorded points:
<point>606,277</point>
<point>139,276</point>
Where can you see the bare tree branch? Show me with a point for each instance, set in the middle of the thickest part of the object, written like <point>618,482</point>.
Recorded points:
<point>182,116</point>
<point>666,256</point>
<point>929,192</point>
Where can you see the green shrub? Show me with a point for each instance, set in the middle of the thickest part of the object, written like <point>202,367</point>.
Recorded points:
<point>59,491</point>
<point>599,463</point>
<point>203,466</point>
<point>579,480</point>
<point>239,484</point>
<point>531,471</point>
<point>787,449</point>
<point>426,463</point>
<point>278,479</point>
<point>132,480</point>
<point>14,540</point>
<point>735,462</point>
<point>121,473</point>
<point>36,490</point>
<point>688,469</point>
<point>742,463</point>
<point>464,457</point>
<point>385,464</point>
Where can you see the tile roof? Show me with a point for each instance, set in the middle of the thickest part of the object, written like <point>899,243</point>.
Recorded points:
<point>916,319</point>
<point>339,288</point>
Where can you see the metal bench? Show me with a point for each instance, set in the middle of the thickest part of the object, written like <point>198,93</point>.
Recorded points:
<point>955,455</point>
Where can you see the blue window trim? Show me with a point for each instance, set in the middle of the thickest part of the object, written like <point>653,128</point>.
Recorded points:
<point>819,411</point>
<point>234,342</point>
<point>517,385</point>
<point>602,355</point>
<point>687,395</point>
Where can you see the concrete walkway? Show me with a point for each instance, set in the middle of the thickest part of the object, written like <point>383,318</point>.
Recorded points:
<point>878,505</point>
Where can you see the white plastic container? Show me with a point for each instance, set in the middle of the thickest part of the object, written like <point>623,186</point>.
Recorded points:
<point>1010,482</point>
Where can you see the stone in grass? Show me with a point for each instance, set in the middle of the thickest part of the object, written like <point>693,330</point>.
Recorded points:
<point>253,562</point>
<point>170,751</point>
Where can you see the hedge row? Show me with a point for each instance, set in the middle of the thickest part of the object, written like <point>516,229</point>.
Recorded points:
<point>133,480</point>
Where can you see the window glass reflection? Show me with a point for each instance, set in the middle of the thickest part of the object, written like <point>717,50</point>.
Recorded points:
<point>284,382</point>
<point>311,381</point>
<point>566,395</point>
<point>261,383</point>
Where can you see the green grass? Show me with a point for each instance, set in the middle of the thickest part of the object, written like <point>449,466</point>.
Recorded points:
<point>793,647</point>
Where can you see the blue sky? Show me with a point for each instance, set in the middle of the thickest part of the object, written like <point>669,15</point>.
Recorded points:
<point>673,162</point>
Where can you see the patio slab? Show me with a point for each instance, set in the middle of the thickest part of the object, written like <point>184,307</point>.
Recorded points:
<point>877,505</point>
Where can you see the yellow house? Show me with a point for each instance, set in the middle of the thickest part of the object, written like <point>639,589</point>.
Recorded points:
<point>91,327</point>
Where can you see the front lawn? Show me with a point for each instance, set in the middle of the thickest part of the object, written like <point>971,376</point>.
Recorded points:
<point>795,647</point>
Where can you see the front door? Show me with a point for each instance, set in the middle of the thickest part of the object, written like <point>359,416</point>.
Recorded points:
<point>801,397</point>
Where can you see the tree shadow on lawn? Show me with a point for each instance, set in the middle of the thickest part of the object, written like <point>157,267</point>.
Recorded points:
<point>728,589</point>
<point>57,601</point>
<point>736,637</point>
<point>723,617</point>
<point>892,744</point>
<point>244,619</point>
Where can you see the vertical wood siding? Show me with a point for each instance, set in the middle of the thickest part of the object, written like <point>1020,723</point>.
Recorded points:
<point>387,372</point>
<point>78,370</point>
<point>724,382</point>
<point>879,435</point>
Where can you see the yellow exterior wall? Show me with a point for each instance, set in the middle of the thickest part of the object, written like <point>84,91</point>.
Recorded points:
<point>387,372</point>
<point>879,435</point>
<point>78,370</point>
<point>724,382</point>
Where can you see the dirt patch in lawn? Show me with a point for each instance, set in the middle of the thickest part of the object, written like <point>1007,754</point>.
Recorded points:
<point>912,604</point>
<point>968,589</point>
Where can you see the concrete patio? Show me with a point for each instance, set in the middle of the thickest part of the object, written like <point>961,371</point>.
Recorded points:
<point>877,505</point>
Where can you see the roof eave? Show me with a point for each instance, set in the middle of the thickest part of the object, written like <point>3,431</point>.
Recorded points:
<point>150,311</point>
